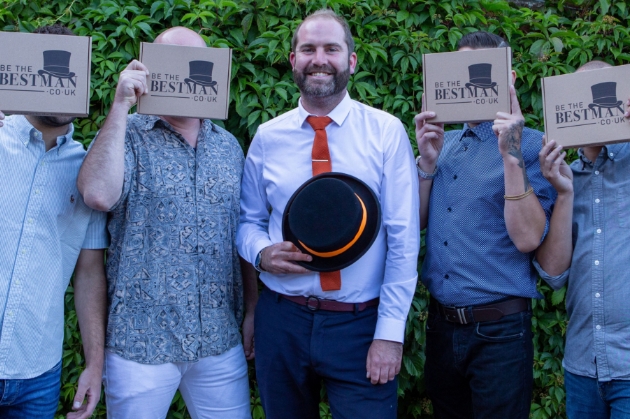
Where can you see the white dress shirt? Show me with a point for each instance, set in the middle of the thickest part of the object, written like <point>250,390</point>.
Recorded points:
<point>369,144</point>
<point>44,225</point>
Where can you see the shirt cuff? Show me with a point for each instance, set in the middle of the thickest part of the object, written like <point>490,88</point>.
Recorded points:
<point>556,282</point>
<point>390,329</point>
<point>258,246</point>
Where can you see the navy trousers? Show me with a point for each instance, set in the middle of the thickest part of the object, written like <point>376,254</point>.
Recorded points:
<point>297,349</point>
<point>480,370</point>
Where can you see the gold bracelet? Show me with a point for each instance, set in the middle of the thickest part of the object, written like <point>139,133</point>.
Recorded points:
<point>521,196</point>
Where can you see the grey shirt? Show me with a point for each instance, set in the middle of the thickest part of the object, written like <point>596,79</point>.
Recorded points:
<point>174,280</point>
<point>598,295</point>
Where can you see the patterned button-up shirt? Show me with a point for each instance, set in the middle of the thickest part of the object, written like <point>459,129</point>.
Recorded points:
<point>174,279</point>
<point>598,296</point>
<point>44,224</point>
<point>471,259</point>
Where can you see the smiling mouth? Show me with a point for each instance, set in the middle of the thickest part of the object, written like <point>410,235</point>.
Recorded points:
<point>319,74</point>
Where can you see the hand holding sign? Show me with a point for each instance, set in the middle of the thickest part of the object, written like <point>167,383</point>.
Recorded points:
<point>1,118</point>
<point>554,168</point>
<point>131,84</point>
<point>430,139</point>
<point>508,127</point>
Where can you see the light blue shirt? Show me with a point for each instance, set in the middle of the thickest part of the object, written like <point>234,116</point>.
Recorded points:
<point>44,224</point>
<point>598,294</point>
<point>364,142</point>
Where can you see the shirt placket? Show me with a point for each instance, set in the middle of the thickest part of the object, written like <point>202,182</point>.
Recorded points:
<point>597,271</point>
<point>25,246</point>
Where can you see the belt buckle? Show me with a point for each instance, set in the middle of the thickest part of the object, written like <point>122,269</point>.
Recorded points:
<point>461,315</point>
<point>312,303</point>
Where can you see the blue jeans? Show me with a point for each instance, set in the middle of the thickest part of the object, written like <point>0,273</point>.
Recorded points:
<point>32,398</point>
<point>298,349</point>
<point>480,370</point>
<point>588,398</point>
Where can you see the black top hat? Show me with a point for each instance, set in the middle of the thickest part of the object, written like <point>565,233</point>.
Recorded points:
<point>480,75</point>
<point>335,218</point>
<point>57,64</point>
<point>201,73</point>
<point>605,95</point>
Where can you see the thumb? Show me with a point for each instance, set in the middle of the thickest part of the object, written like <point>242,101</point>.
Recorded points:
<point>516,107</point>
<point>79,397</point>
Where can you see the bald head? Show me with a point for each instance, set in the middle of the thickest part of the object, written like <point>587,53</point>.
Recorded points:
<point>593,65</point>
<point>180,36</point>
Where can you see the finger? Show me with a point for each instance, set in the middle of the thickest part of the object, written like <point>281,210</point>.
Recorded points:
<point>137,65</point>
<point>79,397</point>
<point>375,375</point>
<point>290,268</point>
<point>422,117</point>
<point>384,375</point>
<point>433,128</point>
<point>546,149</point>
<point>92,400</point>
<point>560,158</point>
<point>502,116</point>
<point>516,107</point>
<point>1,115</point>
<point>296,256</point>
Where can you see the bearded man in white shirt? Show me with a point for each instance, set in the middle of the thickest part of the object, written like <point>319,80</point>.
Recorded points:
<point>349,334</point>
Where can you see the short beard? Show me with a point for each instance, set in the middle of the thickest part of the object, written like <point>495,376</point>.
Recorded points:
<point>336,86</point>
<point>54,121</point>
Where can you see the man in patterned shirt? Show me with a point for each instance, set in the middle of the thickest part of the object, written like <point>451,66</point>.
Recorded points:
<point>486,208</point>
<point>172,187</point>
<point>46,230</point>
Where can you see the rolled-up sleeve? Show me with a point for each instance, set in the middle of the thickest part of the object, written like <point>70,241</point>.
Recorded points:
<point>400,206</point>
<point>253,230</point>
<point>555,282</point>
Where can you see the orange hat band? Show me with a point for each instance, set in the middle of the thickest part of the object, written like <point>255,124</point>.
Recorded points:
<point>349,245</point>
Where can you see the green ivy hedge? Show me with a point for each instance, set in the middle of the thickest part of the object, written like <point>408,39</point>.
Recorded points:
<point>390,39</point>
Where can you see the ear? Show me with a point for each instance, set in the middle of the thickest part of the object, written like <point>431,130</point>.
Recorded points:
<point>352,62</point>
<point>292,60</point>
<point>513,77</point>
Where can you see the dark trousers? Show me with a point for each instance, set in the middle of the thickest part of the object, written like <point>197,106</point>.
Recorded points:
<point>588,398</point>
<point>480,370</point>
<point>297,349</point>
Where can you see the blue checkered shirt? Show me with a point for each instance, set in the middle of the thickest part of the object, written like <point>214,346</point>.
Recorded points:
<point>471,259</point>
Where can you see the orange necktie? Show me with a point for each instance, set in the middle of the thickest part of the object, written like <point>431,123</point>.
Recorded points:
<point>330,281</point>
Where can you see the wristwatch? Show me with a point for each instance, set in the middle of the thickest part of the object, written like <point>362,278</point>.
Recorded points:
<point>258,261</point>
<point>422,173</point>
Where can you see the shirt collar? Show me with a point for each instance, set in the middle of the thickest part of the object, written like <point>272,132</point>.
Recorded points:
<point>609,152</point>
<point>338,115</point>
<point>482,131</point>
<point>28,133</point>
<point>149,122</point>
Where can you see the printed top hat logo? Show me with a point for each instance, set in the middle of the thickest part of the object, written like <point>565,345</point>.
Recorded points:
<point>480,76</point>
<point>605,95</point>
<point>335,218</point>
<point>201,73</point>
<point>57,64</point>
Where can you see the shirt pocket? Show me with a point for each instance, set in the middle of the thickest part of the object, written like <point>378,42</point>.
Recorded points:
<point>623,206</point>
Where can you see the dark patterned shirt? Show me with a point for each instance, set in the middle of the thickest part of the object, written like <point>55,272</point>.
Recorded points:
<point>174,280</point>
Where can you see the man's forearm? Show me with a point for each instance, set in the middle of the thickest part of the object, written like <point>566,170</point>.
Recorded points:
<point>554,254</point>
<point>524,218</point>
<point>250,285</point>
<point>102,173</point>
<point>90,300</point>
<point>425,194</point>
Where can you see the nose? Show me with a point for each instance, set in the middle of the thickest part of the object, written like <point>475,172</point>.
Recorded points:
<point>320,57</point>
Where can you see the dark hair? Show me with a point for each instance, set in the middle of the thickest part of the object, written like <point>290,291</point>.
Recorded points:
<point>56,29</point>
<point>328,14</point>
<point>482,39</point>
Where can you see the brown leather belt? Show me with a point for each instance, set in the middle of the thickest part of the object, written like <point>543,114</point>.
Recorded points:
<point>315,303</point>
<point>485,313</point>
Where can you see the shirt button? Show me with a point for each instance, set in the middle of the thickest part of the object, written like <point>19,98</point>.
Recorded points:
<point>598,327</point>
<point>449,209</point>
<point>30,220</point>
<point>37,191</point>
<point>596,262</point>
<point>445,243</point>
<point>611,154</point>
<point>23,252</point>
<point>597,294</point>
<point>10,313</point>
<point>599,230</point>
<point>455,177</point>
<point>597,172</point>
<point>597,200</point>
<point>445,276</point>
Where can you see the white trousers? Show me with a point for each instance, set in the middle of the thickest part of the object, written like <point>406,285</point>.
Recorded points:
<point>215,387</point>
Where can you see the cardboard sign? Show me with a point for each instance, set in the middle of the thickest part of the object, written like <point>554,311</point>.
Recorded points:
<point>45,74</point>
<point>192,82</point>
<point>587,108</point>
<point>467,86</point>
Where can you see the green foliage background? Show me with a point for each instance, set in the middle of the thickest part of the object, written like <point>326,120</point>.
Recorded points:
<point>391,36</point>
